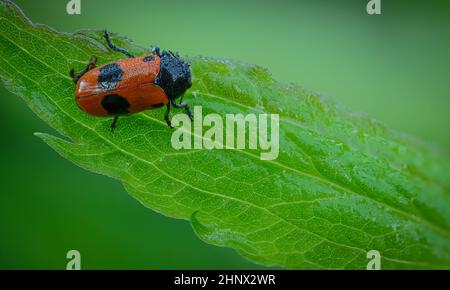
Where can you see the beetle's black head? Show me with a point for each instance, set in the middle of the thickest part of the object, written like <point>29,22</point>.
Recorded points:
<point>175,75</point>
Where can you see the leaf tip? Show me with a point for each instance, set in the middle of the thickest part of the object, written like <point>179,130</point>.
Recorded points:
<point>200,229</point>
<point>47,138</point>
<point>41,135</point>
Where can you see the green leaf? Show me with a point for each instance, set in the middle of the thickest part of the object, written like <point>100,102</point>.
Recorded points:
<point>343,183</point>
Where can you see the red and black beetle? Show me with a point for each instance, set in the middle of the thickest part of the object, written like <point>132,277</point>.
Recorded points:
<point>133,85</point>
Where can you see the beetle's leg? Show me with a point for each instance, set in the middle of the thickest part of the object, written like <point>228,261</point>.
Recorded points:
<point>183,105</point>
<point>166,116</point>
<point>114,123</point>
<point>89,66</point>
<point>115,48</point>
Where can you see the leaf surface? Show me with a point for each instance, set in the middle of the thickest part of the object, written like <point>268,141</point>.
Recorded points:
<point>343,183</point>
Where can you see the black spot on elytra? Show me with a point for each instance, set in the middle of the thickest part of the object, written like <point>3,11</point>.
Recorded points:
<point>158,105</point>
<point>149,58</point>
<point>115,104</point>
<point>110,76</point>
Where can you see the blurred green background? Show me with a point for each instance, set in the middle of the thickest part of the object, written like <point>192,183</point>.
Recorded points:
<point>394,66</point>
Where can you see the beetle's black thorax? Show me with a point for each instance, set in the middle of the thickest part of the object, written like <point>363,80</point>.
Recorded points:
<point>174,76</point>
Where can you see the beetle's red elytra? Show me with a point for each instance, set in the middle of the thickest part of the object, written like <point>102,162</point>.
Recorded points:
<point>132,85</point>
